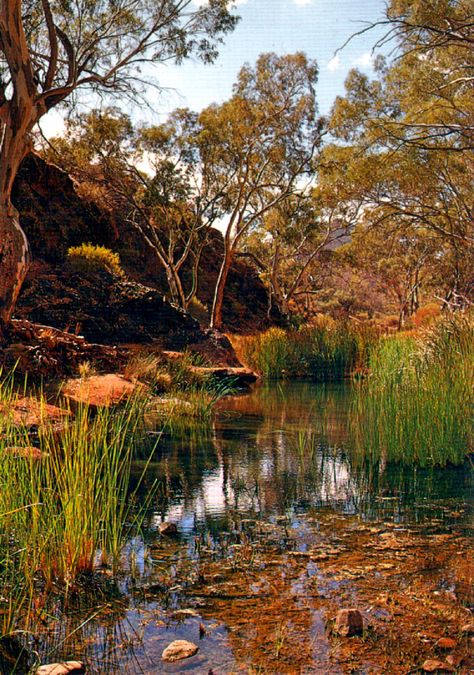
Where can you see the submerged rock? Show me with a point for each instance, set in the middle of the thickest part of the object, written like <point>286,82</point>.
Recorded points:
<point>178,650</point>
<point>434,666</point>
<point>446,643</point>
<point>349,622</point>
<point>65,668</point>
<point>168,528</point>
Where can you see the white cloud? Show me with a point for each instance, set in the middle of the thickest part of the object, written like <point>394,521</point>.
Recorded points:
<point>365,60</point>
<point>302,2</point>
<point>334,63</point>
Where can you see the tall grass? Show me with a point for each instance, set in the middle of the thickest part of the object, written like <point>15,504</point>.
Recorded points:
<point>416,404</point>
<point>66,514</point>
<point>324,351</point>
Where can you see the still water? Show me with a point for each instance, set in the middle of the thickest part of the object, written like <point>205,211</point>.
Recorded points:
<point>280,522</point>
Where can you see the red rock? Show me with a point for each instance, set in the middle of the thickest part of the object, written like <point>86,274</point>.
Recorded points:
<point>26,452</point>
<point>446,643</point>
<point>454,660</point>
<point>178,650</point>
<point>434,665</point>
<point>32,412</point>
<point>100,390</point>
<point>349,622</point>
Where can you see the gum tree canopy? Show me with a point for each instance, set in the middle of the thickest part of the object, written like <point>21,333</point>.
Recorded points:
<point>50,49</point>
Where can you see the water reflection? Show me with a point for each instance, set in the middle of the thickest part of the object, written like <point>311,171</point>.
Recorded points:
<point>286,449</point>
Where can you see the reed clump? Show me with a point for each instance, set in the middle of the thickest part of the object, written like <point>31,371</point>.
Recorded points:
<point>324,351</point>
<point>416,403</point>
<point>65,506</point>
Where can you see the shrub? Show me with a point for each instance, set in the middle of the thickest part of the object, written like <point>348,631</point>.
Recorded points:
<point>90,258</point>
<point>426,315</point>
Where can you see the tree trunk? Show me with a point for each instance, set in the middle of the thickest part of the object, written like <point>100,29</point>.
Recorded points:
<point>14,260</point>
<point>216,314</point>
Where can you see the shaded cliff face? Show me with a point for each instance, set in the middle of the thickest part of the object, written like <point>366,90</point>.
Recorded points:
<point>55,217</point>
<point>104,308</point>
<point>52,215</point>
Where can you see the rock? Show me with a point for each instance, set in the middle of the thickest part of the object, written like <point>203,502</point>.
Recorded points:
<point>184,613</point>
<point>178,650</point>
<point>168,528</point>
<point>104,308</point>
<point>349,622</point>
<point>65,668</point>
<point>446,643</point>
<point>434,665</point>
<point>454,660</point>
<point>55,215</point>
<point>101,390</point>
<point>30,412</point>
<point>468,628</point>
<point>26,452</point>
<point>50,352</point>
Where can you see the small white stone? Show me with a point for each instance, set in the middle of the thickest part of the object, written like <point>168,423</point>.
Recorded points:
<point>179,649</point>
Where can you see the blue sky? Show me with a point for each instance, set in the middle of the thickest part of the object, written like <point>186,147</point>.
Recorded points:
<point>317,27</point>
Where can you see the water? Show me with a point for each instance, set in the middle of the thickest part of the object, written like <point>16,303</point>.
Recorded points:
<point>280,523</point>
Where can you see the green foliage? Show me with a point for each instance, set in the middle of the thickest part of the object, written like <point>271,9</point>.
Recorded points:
<point>416,403</point>
<point>326,351</point>
<point>90,258</point>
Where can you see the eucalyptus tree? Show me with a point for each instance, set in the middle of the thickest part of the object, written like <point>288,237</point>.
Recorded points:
<point>53,49</point>
<point>290,242</point>
<point>257,148</point>
<point>149,176</point>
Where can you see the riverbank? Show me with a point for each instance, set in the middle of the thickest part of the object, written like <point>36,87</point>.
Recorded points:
<point>151,505</point>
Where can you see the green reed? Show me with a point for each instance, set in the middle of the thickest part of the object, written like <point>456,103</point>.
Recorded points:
<point>68,512</point>
<point>416,404</point>
<point>326,351</point>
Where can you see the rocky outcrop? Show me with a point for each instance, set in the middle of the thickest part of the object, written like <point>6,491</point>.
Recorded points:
<point>55,216</point>
<point>104,309</point>
<point>52,213</point>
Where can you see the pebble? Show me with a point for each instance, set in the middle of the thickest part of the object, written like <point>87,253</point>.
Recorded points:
<point>179,649</point>
<point>434,665</point>
<point>168,528</point>
<point>65,668</point>
<point>349,622</point>
<point>446,643</point>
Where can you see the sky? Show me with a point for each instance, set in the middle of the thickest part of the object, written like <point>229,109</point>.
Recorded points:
<point>317,27</point>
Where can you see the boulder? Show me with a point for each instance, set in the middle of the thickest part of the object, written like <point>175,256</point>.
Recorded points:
<point>104,308</point>
<point>26,452</point>
<point>178,650</point>
<point>349,622</point>
<point>39,350</point>
<point>101,390</point>
<point>34,414</point>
